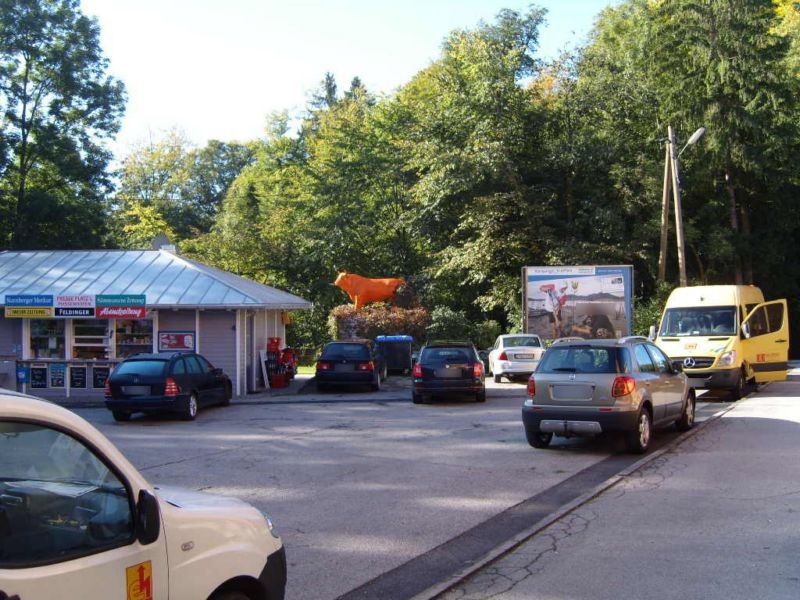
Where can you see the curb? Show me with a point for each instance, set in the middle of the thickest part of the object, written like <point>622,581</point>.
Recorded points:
<point>506,547</point>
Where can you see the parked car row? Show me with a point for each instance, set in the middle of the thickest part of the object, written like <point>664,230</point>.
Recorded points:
<point>577,387</point>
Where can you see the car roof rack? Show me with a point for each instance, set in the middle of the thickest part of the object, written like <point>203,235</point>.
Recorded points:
<point>633,338</point>
<point>572,338</point>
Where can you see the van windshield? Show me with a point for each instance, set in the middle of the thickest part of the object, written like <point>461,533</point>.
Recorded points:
<point>699,321</point>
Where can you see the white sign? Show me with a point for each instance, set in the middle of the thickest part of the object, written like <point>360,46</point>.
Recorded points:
<point>84,301</point>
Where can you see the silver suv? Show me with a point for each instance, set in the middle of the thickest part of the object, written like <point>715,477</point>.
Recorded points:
<point>588,387</point>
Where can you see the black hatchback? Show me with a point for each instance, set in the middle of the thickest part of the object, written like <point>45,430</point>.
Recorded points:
<point>448,368</point>
<point>179,382</point>
<point>350,362</point>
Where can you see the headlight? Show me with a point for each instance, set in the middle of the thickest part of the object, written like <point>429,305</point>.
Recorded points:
<point>727,359</point>
<point>270,525</point>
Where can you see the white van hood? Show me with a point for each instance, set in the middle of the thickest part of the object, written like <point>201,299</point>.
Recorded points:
<point>184,498</point>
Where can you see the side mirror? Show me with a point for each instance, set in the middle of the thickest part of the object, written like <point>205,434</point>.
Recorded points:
<point>651,335</point>
<point>746,330</point>
<point>677,366</point>
<point>148,518</point>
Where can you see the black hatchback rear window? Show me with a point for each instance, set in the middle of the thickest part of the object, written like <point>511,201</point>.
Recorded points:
<point>345,351</point>
<point>584,359</point>
<point>435,356</point>
<point>141,367</point>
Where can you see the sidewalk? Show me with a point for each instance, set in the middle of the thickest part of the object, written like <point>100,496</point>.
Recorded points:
<point>714,516</point>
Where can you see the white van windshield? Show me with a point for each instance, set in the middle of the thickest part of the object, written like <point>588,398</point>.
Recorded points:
<point>699,321</point>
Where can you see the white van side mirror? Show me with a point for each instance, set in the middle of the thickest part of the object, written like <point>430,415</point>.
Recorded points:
<point>651,335</point>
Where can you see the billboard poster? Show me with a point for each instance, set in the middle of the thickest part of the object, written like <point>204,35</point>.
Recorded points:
<point>584,301</point>
<point>176,340</point>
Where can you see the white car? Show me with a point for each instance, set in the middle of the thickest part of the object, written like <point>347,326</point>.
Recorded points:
<point>515,355</point>
<point>78,521</point>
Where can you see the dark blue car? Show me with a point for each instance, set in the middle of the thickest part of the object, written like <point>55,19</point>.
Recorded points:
<point>178,382</point>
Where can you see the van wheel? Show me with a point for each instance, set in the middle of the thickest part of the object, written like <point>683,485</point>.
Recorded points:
<point>121,415</point>
<point>191,408</point>
<point>686,422</point>
<point>638,440</point>
<point>737,393</point>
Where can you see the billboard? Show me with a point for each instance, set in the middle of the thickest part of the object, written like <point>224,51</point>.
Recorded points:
<point>583,301</point>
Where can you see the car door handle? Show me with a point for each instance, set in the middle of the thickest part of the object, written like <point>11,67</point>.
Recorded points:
<point>780,341</point>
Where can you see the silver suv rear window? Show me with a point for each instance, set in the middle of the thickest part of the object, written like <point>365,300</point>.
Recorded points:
<point>585,359</point>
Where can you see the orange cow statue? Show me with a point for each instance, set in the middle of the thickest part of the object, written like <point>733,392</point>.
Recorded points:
<point>363,290</point>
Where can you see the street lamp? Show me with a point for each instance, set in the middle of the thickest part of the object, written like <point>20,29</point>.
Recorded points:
<point>672,179</point>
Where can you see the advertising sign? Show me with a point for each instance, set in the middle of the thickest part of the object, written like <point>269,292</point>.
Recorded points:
<point>176,340</point>
<point>121,312</point>
<point>74,306</point>
<point>28,306</point>
<point>121,300</point>
<point>34,312</point>
<point>584,301</point>
<point>121,306</point>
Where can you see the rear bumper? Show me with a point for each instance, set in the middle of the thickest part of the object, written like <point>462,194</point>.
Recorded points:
<point>148,403</point>
<point>569,421</point>
<point>713,378</point>
<point>444,387</point>
<point>348,378</point>
<point>515,367</point>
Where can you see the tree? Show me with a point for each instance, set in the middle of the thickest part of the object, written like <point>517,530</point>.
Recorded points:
<point>58,107</point>
<point>185,185</point>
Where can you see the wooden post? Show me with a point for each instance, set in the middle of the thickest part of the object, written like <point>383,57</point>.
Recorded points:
<point>662,255</point>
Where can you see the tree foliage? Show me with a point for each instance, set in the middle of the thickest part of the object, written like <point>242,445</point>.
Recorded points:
<point>58,106</point>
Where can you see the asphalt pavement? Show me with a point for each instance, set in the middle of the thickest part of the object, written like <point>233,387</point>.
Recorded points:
<point>714,515</point>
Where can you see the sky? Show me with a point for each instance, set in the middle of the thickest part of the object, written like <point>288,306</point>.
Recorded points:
<point>216,69</point>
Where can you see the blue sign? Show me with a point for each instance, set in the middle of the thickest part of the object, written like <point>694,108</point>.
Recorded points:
<point>22,374</point>
<point>29,300</point>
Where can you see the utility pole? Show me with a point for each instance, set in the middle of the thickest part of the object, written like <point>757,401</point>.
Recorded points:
<point>676,195</point>
<point>662,255</point>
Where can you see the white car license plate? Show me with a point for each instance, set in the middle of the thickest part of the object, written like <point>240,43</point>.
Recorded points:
<point>525,356</point>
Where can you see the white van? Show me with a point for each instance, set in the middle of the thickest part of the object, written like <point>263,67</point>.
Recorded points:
<point>725,336</point>
<point>78,522</point>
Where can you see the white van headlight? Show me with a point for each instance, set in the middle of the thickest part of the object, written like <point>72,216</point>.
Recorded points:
<point>727,359</point>
<point>270,525</point>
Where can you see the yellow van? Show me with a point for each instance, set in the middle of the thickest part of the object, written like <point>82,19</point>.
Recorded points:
<point>725,336</point>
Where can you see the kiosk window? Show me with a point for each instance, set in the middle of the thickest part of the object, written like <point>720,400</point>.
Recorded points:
<point>47,338</point>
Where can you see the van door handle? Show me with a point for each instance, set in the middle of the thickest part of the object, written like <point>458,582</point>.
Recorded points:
<point>780,341</point>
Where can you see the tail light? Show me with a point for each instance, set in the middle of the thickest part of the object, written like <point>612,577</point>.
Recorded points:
<point>477,370</point>
<point>417,370</point>
<point>366,366</point>
<point>531,387</point>
<point>171,387</point>
<point>503,356</point>
<point>622,386</point>
<point>107,391</point>
<point>323,365</point>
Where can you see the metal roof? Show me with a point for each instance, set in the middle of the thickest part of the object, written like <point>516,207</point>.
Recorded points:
<point>167,280</point>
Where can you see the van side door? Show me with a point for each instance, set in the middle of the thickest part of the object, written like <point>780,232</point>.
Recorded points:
<point>766,340</point>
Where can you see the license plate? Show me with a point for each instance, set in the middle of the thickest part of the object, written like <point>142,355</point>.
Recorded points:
<point>343,368</point>
<point>136,390</point>
<point>525,356</point>
<point>455,372</point>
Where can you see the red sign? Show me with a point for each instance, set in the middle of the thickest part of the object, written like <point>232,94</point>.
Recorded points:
<point>121,312</point>
<point>176,340</point>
